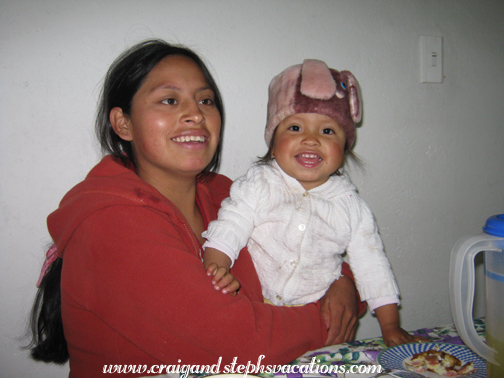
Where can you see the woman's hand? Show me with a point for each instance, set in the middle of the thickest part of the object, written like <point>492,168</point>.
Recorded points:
<point>340,311</point>
<point>222,279</point>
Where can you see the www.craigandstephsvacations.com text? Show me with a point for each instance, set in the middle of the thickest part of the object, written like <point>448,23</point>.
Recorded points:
<point>234,368</point>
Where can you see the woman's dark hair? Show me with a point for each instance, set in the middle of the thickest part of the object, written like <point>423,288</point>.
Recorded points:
<point>123,79</point>
<point>267,158</point>
<point>48,342</point>
<point>125,76</point>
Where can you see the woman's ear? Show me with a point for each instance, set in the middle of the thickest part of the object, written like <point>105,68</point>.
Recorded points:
<point>121,124</point>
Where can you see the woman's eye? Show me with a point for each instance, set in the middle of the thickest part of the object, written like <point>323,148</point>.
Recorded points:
<point>343,85</point>
<point>294,128</point>
<point>207,101</point>
<point>328,131</point>
<point>169,101</point>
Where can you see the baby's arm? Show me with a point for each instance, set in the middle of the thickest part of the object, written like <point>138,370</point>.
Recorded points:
<point>229,233</point>
<point>217,265</point>
<point>393,334</point>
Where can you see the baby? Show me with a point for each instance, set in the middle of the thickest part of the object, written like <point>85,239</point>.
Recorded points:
<point>297,210</point>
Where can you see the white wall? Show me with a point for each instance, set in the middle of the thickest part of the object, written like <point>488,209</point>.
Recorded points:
<point>434,152</point>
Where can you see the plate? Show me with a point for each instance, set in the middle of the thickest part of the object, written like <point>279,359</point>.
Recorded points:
<point>394,358</point>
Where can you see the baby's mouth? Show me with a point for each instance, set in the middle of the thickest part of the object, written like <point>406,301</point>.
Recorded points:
<point>308,159</point>
<point>190,138</point>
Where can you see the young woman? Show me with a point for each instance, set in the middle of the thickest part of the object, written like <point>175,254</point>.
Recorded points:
<point>128,238</point>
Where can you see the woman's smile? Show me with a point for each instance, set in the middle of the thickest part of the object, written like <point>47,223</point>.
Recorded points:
<point>192,139</point>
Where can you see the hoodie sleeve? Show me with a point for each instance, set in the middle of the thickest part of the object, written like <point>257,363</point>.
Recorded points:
<point>140,278</point>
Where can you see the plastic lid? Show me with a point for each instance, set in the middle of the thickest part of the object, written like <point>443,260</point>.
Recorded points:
<point>495,226</point>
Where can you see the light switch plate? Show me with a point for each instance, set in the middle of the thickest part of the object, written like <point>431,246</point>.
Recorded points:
<point>431,59</point>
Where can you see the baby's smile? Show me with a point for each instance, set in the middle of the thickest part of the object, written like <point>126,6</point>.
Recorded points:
<point>308,158</point>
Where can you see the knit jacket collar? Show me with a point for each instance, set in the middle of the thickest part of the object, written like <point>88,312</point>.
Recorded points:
<point>335,186</point>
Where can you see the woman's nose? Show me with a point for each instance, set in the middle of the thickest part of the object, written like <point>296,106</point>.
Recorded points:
<point>192,112</point>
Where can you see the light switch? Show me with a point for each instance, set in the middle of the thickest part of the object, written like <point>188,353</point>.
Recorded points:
<point>431,59</point>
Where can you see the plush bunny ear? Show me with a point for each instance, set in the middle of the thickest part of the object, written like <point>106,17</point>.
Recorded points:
<point>354,96</point>
<point>316,80</point>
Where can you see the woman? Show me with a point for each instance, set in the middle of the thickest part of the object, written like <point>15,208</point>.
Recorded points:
<point>133,286</point>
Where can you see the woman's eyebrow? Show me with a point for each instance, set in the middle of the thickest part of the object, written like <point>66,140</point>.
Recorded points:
<point>165,87</point>
<point>177,89</point>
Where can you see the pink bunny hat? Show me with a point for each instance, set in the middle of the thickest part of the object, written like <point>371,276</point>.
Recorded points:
<point>312,87</point>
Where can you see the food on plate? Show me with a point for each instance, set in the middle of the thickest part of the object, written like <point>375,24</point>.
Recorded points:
<point>439,362</point>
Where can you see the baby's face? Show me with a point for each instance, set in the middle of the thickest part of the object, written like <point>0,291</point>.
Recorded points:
<point>309,147</point>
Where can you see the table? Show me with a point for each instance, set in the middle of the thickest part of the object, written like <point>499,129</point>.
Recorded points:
<point>344,356</point>
<point>366,351</point>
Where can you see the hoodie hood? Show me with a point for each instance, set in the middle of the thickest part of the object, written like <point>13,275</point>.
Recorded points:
<point>112,184</point>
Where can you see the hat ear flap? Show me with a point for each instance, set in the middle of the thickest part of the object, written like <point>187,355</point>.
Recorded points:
<point>354,96</point>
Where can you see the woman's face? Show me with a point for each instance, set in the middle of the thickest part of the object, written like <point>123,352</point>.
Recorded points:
<point>174,125</point>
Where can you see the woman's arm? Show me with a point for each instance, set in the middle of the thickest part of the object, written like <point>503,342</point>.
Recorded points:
<point>137,271</point>
<point>341,307</point>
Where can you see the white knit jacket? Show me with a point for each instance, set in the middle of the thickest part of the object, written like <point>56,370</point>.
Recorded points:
<point>297,238</point>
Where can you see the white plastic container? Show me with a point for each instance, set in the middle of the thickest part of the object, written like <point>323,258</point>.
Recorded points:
<point>491,241</point>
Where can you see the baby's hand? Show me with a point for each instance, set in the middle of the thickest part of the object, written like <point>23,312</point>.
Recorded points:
<point>222,279</point>
<point>397,336</point>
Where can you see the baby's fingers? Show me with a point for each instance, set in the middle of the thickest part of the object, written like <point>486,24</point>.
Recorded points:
<point>402,337</point>
<point>224,280</point>
<point>419,339</point>
<point>211,270</point>
<point>218,274</point>
<point>232,288</point>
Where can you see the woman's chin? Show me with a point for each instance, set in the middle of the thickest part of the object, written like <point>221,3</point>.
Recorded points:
<point>194,167</point>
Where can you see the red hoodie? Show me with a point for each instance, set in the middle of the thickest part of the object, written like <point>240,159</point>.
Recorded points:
<point>135,292</point>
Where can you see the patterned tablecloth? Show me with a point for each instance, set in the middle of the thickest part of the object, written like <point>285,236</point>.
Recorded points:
<point>366,351</point>
<point>328,361</point>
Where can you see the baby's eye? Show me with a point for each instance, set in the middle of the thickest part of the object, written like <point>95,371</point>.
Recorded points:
<point>169,101</point>
<point>328,131</point>
<point>294,128</point>
<point>343,85</point>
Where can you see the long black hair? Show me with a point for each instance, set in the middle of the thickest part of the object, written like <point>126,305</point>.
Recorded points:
<point>48,340</point>
<point>123,79</point>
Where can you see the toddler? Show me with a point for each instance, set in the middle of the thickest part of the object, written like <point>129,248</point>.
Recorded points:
<point>297,210</point>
